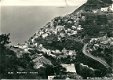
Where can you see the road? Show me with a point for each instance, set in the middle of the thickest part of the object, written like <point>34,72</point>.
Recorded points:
<point>93,57</point>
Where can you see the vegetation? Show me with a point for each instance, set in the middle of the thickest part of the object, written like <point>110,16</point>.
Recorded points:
<point>102,47</point>
<point>61,42</point>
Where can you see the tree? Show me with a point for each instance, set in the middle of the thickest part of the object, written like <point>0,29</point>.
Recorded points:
<point>4,39</point>
<point>7,57</point>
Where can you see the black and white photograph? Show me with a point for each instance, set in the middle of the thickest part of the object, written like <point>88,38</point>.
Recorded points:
<point>56,39</point>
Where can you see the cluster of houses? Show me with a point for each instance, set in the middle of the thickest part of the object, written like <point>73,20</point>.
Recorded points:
<point>105,10</point>
<point>40,61</point>
<point>38,58</point>
<point>61,26</point>
<point>103,42</point>
<point>61,30</point>
<point>56,52</point>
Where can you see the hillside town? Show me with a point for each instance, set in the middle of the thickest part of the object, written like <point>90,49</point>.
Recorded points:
<point>75,46</point>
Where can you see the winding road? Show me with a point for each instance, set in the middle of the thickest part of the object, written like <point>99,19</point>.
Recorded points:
<point>85,52</point>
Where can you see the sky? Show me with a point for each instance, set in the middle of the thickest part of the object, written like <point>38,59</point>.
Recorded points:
<point>22,21</point>
<point>44,2</point>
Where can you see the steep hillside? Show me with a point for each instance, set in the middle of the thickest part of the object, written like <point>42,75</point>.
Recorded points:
<point>70,33</point>
<point>64,37</point>
<point>63,41</point>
